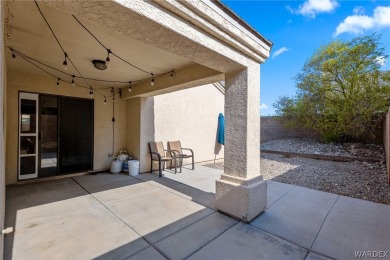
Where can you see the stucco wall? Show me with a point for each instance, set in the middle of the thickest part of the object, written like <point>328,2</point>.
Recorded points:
<point>190,116</point>
<point>386,141</point>
<point>272,129</point>
<point>17,81</point>
<point>140,129</point>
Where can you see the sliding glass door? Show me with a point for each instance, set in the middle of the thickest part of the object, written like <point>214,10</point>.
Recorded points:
<point>55,135</point>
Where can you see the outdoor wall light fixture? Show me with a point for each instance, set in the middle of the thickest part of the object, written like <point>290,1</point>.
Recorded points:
<point>99,64</point>
<point>129,89</point>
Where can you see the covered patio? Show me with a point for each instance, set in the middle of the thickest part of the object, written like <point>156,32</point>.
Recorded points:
<point>145,217</point>
<point>81,78</point>
<point>179,45</point>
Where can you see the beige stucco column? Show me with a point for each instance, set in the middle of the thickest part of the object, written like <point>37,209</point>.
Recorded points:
<point>241,191</point>
<point>140,129</point>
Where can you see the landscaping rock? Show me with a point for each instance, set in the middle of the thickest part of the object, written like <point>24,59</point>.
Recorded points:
<point>357,179</point>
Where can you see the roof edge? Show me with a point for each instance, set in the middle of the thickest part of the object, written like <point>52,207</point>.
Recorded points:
<point>240,21</point>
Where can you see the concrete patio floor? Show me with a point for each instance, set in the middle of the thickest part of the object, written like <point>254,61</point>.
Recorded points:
<point>123,217</point>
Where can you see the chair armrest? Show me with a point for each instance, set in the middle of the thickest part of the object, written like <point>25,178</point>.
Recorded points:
<point>158,155</point>
<point>192,152</point>
<point>174,153</point>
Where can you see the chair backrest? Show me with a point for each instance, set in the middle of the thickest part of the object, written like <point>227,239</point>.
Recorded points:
<point>156,147</point>
<point>175,145</point>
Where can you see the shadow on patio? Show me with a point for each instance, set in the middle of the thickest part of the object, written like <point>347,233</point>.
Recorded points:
<point>118,216</point>
<point>87,216</point>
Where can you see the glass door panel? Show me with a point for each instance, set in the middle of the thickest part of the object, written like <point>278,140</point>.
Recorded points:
<point>76,135</point>
<point>48,136</point>
<point>28,136</point>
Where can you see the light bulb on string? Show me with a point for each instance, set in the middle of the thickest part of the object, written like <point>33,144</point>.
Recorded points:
<point>65,63</point>
<point>58,82</point>
<point>152,81</point>
<point>13,56</point>
<point>171,74</point>
<point>73,83</point>
<point>129,89</point>
<point>105,100</point>
<point>90,92</point>
<point>108,58</point>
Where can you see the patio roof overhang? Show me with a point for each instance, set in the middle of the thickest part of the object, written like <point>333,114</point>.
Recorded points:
<point>200,40</point>
<point>157,36</point>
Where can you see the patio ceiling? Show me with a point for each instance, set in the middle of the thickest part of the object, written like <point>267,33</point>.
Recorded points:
<point>31,36</point>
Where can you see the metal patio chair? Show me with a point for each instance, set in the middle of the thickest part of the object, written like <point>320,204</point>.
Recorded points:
<point>177,150</point>
<point>157,153</point>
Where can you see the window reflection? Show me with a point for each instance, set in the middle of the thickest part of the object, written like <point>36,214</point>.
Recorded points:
<point>28,110</point>
<point>27,165</point>
<point>27,144</point>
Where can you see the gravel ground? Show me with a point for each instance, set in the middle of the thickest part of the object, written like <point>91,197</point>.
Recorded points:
<point>360,180</point>
<point>314,147</point>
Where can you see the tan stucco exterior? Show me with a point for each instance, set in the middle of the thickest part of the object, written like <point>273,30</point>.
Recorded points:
<point>191,116</point>
<point>140,129</point>
<point>203,43</point>
<point>17,81</point>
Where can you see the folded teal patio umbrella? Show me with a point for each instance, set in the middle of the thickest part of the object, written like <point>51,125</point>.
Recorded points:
<point>221,129</point>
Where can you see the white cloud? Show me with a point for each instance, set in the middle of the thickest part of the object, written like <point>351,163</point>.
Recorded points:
<point>263,106</point>
<point>311,8</point>
<point>380,60</point>
<point>358,23</point>
<point>280,51</point>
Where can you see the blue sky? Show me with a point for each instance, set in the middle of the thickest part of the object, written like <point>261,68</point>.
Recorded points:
<point>298,28</point>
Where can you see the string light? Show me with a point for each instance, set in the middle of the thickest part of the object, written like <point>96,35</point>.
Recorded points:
<point>129,87</point>
<point>66,58</point>
<point>33,61</point>
<point>30,60</point>
<point>108,58</point>
<point>90,92</point>
<point>152,82</point>
<point>59,44</point>
<point>105,100</point>
<point>65,63</point>
<point>108,50</point>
